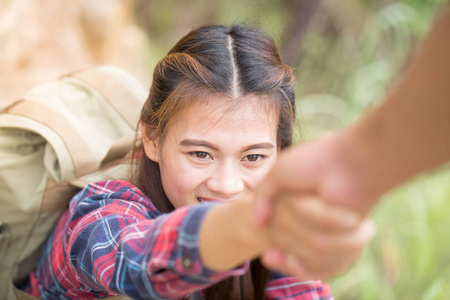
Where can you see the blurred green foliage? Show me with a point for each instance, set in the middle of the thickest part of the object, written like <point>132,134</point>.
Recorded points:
<point>410,256</point>
<point>342,75</point>
<point>350,55</point>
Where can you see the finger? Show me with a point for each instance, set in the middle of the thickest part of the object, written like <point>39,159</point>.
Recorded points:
<point>322,215</point>
<point>329,269</point>
<point>305,219</point>
<point>287,229</point>
<point>291,229</point>
<point>320,251</point>
<point>357,238</point>
<point>298,268</point>
<point>277,260</point>
<point>273,259</point>
<point>336,254</point>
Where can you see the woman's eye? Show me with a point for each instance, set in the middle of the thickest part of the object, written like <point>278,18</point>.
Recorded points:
<point>201,154</point>
<point>253,157</point>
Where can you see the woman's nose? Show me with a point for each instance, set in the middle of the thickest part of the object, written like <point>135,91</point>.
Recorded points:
<point>226,181</point>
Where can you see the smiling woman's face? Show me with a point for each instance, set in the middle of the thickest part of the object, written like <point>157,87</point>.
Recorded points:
<point>209,153</point>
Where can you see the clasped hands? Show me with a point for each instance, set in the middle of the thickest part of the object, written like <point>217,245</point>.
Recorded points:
<point>305,205</point>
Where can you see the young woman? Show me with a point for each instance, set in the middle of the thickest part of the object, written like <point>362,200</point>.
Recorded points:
<point>220,108</point>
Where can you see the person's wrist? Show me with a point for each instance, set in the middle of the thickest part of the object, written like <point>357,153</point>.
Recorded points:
<point>227,236</point>
<point>359,151</point>
<point>252,236</point>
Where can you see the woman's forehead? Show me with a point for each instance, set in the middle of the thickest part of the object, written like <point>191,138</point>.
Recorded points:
<point>249,107</point>
<point>247,115</point>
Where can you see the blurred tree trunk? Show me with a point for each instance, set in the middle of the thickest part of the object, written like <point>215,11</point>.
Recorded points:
<point>299,15</point>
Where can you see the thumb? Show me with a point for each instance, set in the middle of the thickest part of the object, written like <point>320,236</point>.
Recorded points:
<point>263,205</point>
<point>291,173</point>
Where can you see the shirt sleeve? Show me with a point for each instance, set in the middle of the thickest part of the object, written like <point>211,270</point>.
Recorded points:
<point>282,287</point>
<point>116,247</point>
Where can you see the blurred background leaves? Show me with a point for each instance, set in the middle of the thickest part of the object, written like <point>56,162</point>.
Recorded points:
<point>345,55</point>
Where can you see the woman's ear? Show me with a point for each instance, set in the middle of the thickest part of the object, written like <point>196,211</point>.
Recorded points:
<point>150,142</point>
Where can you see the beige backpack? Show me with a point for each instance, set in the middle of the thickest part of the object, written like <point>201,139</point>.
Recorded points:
<point>53,142</point>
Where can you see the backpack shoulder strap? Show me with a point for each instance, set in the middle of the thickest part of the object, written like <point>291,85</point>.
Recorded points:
<point>83,159</point>
<point>115,87</point>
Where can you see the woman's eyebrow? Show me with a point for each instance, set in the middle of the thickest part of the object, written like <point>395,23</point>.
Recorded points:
<point>192,142</point>
<point>259,146</point>
<point>202,143</point>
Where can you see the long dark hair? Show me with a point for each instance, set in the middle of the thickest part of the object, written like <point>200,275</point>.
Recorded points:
<point>234,62</point>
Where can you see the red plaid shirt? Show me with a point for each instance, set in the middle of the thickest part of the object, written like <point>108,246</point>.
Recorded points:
<point>112,240</point>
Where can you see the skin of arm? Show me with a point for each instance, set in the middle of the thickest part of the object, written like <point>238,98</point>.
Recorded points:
<point>409,132</point>
<point>227,238</point>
